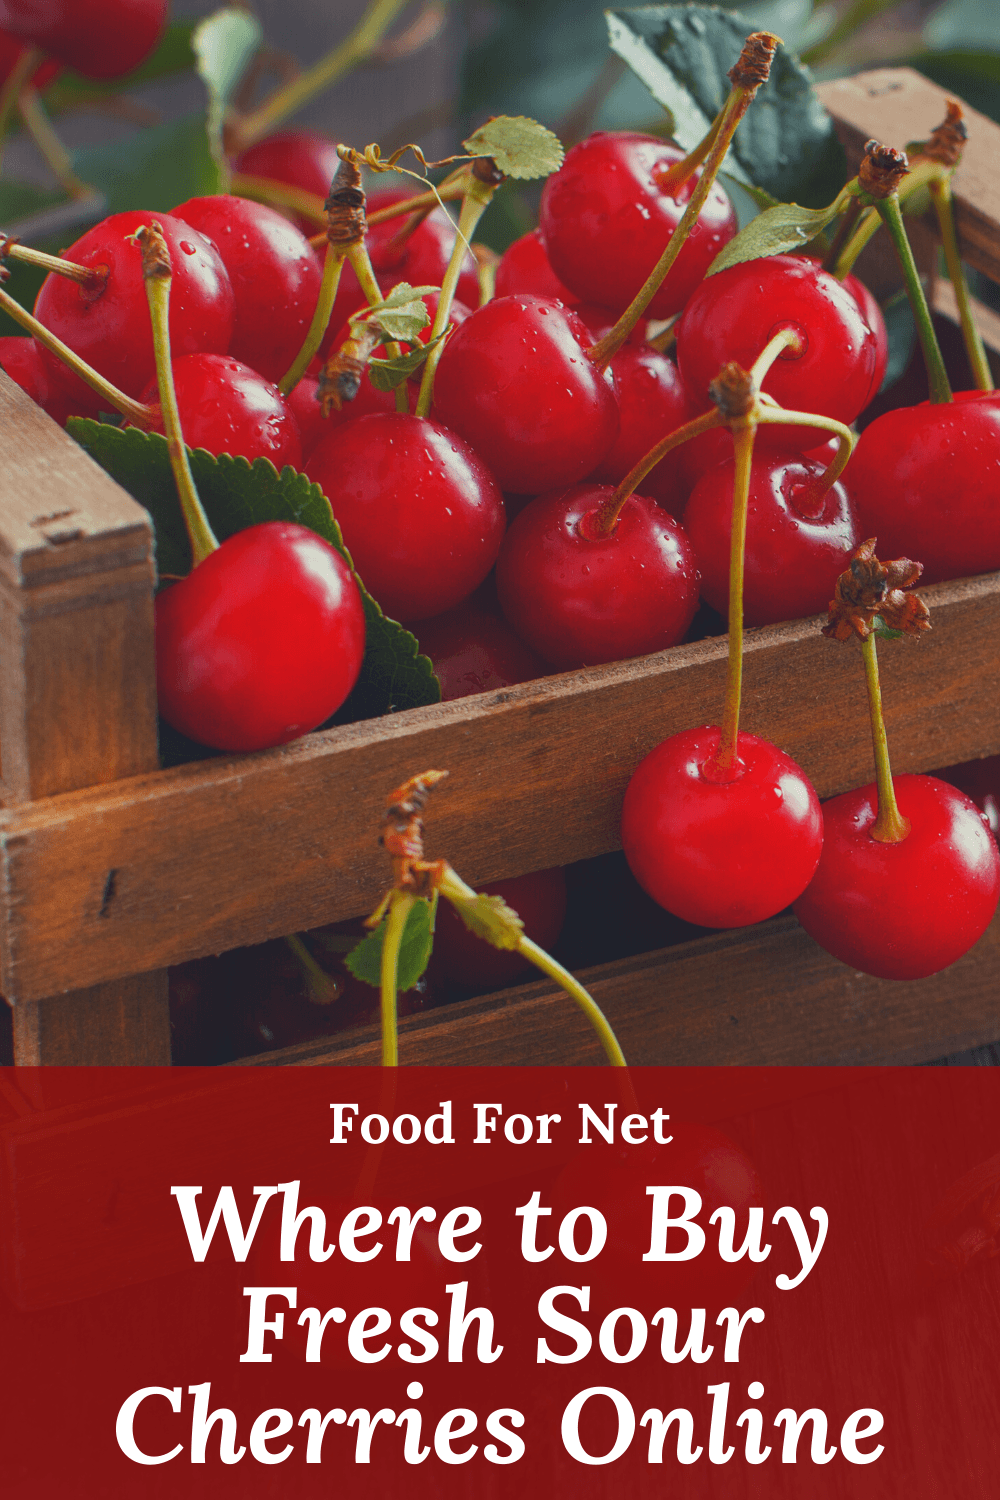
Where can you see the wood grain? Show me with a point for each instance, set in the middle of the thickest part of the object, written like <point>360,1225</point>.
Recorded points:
<point>77,690</point>
<point>896,105</point>
<point>229,852</point>
<point>762,996</point>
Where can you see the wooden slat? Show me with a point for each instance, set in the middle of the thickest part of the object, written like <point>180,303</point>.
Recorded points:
<point>229,852</point>
<point>77,691</point>
<point>897,105</point>
<point>760,996</point>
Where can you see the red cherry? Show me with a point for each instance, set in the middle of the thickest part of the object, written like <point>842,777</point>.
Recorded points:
<point>905,910</point>
<point>721,853</point>
<point>461,957</point>
<point>925,480</point>
<point>601,320</point>
<point>274,273</point>
<point>475,652</point>
<point>524,267</point>
<point>515,381</point>
<point>421,514</point>
<point>226,407</point>
<point>105,40</point>
<point>793,558</point>
<point>300,158</point>
<point>579,598</point>
<point>261,642</point>
<point>653,403</point>
<point>110,328</point>
<point>734,314</point>
<point>308,413</point>
<point>605,222</point>
<point>22,360</point>
<point>11,48</point>
<point>980,780</point>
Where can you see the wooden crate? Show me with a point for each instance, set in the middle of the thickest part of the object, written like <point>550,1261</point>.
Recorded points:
<point>112,869</point>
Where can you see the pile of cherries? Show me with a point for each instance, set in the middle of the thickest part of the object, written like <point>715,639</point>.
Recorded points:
<point>528,436</point>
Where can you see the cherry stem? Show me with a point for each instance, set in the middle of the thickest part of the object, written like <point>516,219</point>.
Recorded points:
<point>40,128</point>
<point>937,376</point>
<point>677,175</point>
<point>916,179</point>
<point>940,189</point>
<point>136,412</point>
<point>361,264</point>
<point>91,277</point>
<point>280,195</point>
<point>323,988</point>
<point>732,113</point>
<point>400,903</point>
<point>332,267</point>
<point>785,338</point>
<point>890,827</point>
<point>157,274</point>
<point>606,516</point>
<point>807,501</point>
<point>846,227</point>
<point>453,187</point>
<point>462,896</point>
<point>290,97</point>
<point>17,79</point>
<point>487,261</point>
<point>475,202</point>
<point>726,759</point>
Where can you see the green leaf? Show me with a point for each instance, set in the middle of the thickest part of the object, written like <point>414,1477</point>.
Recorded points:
<point>387,374</point>
<point>402,315</point>
<point>223,46</point>
<point>881,630</point>
<point>153,170</point>
<point>173,55</point>
<point>786,142</point>
<point>491,919</point>
<point>901,331</point>
<point>235,495</point>
<point>365,961</point>
<point>777,231</point>
<point>519,146</point>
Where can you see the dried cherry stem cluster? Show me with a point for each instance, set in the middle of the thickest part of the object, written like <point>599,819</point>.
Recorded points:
<point>415,878</point>
<point>747,74</point>
<point>868,595</point>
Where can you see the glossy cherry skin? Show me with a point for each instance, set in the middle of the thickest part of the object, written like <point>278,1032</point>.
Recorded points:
<point>226,407</point>
<point>792,560</point>
<point>308,413</point>
<point>734,314</point>
<point>21,359</point>
<point>301,158</point>
<point>476,652</point>
<point>261,642</point>
<point>515,381</point>
<point>524,267</point>
<point>722,854</point>
<point>980,780</point>
<point>906,910</point>
<point>421,514</point>
<point>578,598</point>
<point>926,479</point>
<point>654,402</point>
<point>605,222</point>
<point>110,328</point>
<point>464,959</point>
<point>274,273</point>
<point>105,40</point>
